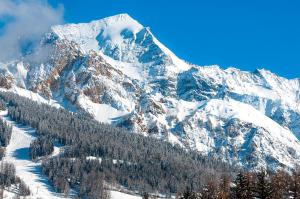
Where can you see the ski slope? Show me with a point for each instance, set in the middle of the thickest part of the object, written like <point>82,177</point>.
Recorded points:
<point>29,171</point>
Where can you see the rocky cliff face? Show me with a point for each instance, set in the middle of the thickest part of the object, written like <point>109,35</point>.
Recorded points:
<point>117,71</point>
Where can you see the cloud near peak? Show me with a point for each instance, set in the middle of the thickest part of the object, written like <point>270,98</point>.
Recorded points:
<point>24,22</point>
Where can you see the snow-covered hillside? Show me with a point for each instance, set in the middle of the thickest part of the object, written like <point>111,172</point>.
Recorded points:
<point>116,70</point>
<point>17,153</point>
<point>30,171</point>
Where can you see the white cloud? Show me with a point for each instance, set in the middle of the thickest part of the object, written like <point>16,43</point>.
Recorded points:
<point>25,21</point>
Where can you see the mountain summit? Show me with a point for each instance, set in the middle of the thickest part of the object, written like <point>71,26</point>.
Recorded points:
<point>91,35</point>
<point>117,71</point>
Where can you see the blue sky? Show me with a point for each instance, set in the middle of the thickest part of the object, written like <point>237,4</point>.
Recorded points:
<point>244,34</point>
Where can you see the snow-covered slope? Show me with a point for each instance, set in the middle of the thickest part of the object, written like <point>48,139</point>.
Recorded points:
<point>274,96</point>
<point>240,134</point>
<point>122,39</point>
<point>17,153</point>
<point>116,70</point>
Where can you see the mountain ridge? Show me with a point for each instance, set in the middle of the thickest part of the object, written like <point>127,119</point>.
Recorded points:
<point>117,71</point>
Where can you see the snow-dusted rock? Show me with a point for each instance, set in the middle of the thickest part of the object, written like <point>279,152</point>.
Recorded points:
<point>116,70</point>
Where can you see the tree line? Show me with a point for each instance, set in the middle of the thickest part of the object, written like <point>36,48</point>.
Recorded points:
<point>96,154</point>
<point>250,185</point>
<point>128,159</point>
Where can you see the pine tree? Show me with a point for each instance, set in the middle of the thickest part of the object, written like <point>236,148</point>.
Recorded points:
<point>210,190</point>
<point>146,195</point>
<point>263,189</point>
<point>2,152</point>
<point>66,190</point>
<point>1,191</point>
<point>2,105</point>
<point>295,184</point>
<point>243,186</point>
<point>188,194</point>
<point>224,187</point>
<point>280,185</point>
<point>23,189</point>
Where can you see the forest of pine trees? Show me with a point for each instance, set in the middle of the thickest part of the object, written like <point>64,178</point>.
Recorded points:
<point>250,185</point>
<point>41,146</point>
<point>131,160</point>
<point>96,154</point>
<point>2,105</point>
<point>5,135</point>
<point>8,178</point>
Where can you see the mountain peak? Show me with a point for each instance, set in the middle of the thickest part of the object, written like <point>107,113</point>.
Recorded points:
<point>119,17</point>
<point>119,21</point>
<point>86,34</point>
<point>133,81</point>
<point>121,38</point>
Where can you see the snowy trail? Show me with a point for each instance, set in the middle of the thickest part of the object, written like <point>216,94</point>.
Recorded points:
<point>27,170</point>
<point>30,171</point>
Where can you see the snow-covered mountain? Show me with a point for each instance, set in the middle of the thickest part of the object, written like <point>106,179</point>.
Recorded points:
<point>116,70</point>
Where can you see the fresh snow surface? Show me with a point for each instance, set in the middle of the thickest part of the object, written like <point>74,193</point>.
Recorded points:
<point>234,109</point>
<point>32,96</point>
<point>120,195</point>
<point>133,71</point>
<point>117,32</point>
<point>261,83</point>
<point>18,70</point>
<point>29,171</point>
<point>276,141</point>
<point>86,33</point>
<point>101,112</point>
<point>179,65</point>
